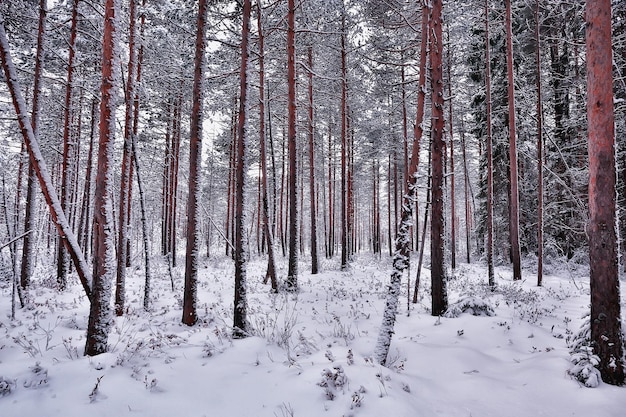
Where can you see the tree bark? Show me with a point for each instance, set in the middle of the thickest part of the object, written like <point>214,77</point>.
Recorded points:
<point>104,245</point>
<point>292,274</point>
<point>240,324</point>
<point>539,151</point>
<point>490,271</point>
<point>68,146</point>
<point>269,237</point>
<point>514,193</point>
<point>401,253</point>
<point>314,261</point>
<point>190,295</point>
<point>28,249</point>
<point>437,229</point>
<point>606,329</point>
<point>125,181</point>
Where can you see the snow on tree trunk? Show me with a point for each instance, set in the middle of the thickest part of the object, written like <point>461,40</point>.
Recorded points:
<point>104,265</point>
<point>240,324</point>
<point>190,297</point>
<point>125,180</point>
<point>606,329</point>
<point>401,252</point>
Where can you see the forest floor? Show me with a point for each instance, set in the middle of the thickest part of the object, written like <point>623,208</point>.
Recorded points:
<point>310,353</point>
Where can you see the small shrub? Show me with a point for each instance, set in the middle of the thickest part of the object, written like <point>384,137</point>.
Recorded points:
<point>472,305</point>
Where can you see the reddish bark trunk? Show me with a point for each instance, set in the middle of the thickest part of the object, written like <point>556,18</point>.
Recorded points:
<point>606,331</point>
<point>539,151</point>
<point>104,246</point>
<point>438,271</point>
<point>190,294</point>
<point>292,274</point>
<point>514,193</point>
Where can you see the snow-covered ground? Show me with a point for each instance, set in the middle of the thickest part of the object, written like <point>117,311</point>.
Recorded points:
<point>310,354</point>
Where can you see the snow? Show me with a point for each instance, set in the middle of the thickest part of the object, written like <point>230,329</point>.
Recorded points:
<point>310,353</point>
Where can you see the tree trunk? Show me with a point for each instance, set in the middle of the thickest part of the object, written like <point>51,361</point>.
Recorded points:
<point>314,261</point>
<point>401,253</point>
<point>292,274</point>
<point>437,229</point>
<point>490,272</point>
<point>539,151</point>
<point>104,245</point>
<point>190,295</point>
<point>452,169</point>
<point>606,328</point>
<point>514,193</point>
<point>125,181</point>
<point>28,249</point>
<point>62,264</point>
<point>240,324</point>
<point>344,148</point>
<point>268,232</point>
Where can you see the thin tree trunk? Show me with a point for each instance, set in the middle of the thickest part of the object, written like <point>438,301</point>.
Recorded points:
<point>271,266</point>
<point>104,246</point>
<point>62,264</point>
<point>190,295</point>
<point>344,148</point>
<point>452,169</point>
<point>514,193</point>
<point>401,253</point>
<point>125,182</point>
<point>539,152</point>
<point>606,327</point>
<point>28,249</point>
<point>292,274</point>
<point>240,323</point>
<point>466,186</point>
<point>314,261</point>
<point>490,272</point>
<point>423,240</point>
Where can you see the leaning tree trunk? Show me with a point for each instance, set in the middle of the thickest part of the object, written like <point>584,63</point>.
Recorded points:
<point>104,245</point>
<point>36,158</point>
<point>402,248</point>
<point>190,295</point>
<point>606,328</point>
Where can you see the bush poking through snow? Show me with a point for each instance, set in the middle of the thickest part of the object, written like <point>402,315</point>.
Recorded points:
<point>38,377</point>
<point>583,360</point>
<point>332,381</point>
<point>472,305</point>
<point>6,386</point>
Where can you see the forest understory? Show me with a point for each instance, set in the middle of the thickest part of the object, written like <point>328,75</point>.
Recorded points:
<point>310,352</point>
